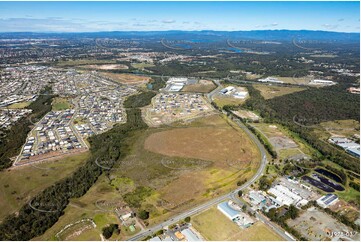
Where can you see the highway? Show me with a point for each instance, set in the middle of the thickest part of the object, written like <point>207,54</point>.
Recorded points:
<point>232,195</point>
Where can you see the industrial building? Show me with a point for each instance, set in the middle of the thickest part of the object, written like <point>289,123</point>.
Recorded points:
<point>327,200</point>
<point>322,82</point>
<point>238,217</point>
<point>285,196</point>
<point>348,145</point>
<point>270,79</point>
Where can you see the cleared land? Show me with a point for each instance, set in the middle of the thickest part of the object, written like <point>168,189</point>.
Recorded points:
<point>296,80</point>
<point>84,62</point>
<point>18,185</point>
<point>127,78</point>
<point>346,128</point>
<point>317,225</point>
<point>269,92</point>
<point>161,184</point>
<point>213,225</point>
<point>206,143</point>
<point>284,142</point>
<point>106,67</point>
<point>203,86</point>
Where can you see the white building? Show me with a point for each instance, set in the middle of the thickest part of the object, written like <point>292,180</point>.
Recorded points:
<point>270,79</point>
<point>284,195</point>
<point>322,82</point>
<point>240,95</point>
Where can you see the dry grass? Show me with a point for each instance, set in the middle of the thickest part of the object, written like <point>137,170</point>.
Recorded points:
<point>206,143</point>
<point>18,185</point>
<point>204,86</point>
<point>269,92</point>
<point>127,78</point>
<point>213,225</point>
<point>106,67</point>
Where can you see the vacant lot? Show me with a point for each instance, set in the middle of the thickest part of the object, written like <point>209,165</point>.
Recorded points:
<point>203,86</point>
<point>163,185</point>
<point>105,67</point>
<point>213,225</point>
<point>296,80</point>
<point>84,62</point>
<point>314,224</point>
<point>206,143</point>
<point>346,128</point>
<point>269,92</point>
<point>19,185</point>
<point>142,65</point>
<point>127,78</point>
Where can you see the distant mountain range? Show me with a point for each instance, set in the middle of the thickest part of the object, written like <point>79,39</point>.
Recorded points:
<point>274,35</point>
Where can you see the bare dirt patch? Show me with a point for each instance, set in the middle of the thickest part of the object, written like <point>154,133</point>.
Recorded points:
<point>203,86</point>
<point>269,92</point>
<point>106,67</point>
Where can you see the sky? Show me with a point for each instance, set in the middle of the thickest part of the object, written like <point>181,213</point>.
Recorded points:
<point>146,16</point>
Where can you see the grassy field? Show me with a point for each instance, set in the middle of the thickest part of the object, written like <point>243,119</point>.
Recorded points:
<point>269,92</point>
<point>85,207</point>
<point>346,128</point>
<point>127,78</point>
<point>296,80</point>
<point>60,103</point>
<point>222,101</point>
<point>19,105</point>
<point>142,65</point>
<point>84,62</point>
<point>204,86</point>
<point>284,148</point>
<point>20,184</point>
<point>162,184</point>
<point>213,225</point>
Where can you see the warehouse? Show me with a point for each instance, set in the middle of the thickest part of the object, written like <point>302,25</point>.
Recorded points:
<point>284,195</point>
<point>228,211</point>
<point>327,200</point>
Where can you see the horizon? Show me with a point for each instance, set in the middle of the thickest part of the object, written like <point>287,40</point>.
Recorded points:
<point>175,30</point>
<point>87,17</point>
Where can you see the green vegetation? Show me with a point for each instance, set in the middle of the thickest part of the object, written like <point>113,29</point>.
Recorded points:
<point>15,136</point>
<point>310,105</point>
<point>109,230</point>
<point>140,100</point>
<point>19,105</point>
<point>60,104</point>
<point>111,145</point>
<point>135,198</point>
<point>143,215</point>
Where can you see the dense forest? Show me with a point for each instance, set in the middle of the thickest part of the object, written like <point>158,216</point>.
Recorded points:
<point>112,145</point>
<point>15,137</point>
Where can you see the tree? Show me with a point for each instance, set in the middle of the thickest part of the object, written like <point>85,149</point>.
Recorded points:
<point>187,219</point>
<point>143,214</point>
<point>240,193</point>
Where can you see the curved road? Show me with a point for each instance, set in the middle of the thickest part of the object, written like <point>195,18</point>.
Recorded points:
<point>231,195</point>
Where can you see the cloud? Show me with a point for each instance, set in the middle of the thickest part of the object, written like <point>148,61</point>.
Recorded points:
<point>341,19</point>
<point>267,25</point>
<point>168,21</point>
<point>330,26</point>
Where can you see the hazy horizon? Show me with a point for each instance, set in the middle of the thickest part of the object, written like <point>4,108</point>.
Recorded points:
<point>81,17</point>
